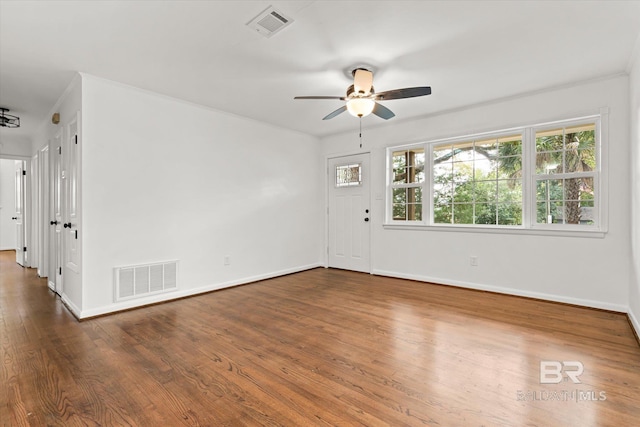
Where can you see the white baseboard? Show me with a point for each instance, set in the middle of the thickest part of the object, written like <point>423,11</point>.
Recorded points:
<point>71,306</point>
<point>126,305</point>
<point>634,322</point>
<point>509,291</point>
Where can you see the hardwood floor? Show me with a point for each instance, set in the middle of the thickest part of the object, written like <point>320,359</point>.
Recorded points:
<point>322,347</point>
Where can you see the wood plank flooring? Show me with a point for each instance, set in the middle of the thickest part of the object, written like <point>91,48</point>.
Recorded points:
<point>319,348</point>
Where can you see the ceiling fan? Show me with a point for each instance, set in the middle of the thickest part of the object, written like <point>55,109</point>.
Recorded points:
<point>362,99</point>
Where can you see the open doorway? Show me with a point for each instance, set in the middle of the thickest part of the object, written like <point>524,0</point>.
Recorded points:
<point>8,237</point>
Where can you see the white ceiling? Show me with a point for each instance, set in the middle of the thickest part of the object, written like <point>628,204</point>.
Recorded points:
<point>202,51</point>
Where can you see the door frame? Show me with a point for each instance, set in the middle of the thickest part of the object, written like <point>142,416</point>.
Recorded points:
<point>366,175</point>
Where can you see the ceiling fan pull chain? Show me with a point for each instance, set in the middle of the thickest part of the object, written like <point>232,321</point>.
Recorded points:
<point>360,131</point>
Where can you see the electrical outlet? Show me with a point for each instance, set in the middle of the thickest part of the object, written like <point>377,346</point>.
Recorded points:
<point>227,260</point>
<point>473,261</point>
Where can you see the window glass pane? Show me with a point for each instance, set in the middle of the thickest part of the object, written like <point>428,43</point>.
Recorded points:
<point>463,192</point>
<point>408,166</point>
<point>399,212</point>
<point>442,153</point>
<point>414,195</point>
<point>484,169</point>
<point>463,213</point>
<point>565,201</point>
<point>510,146</point>
<point>442,214</point>
<point>549,163</point>
<point>444,170</point>
<point>510,214</point>
<point>550,140</point>
<point>579,160</point>
<point>407,204</point>
<point>442,194</point>
<point>485,213</point>
<point>549,189</point>
<point>580,137</point>
<point>399,159</point>
<point>400,195</point>
<point>399,167</point>
<point>485,191</point>
<point>510,190</point>
<point>486,149</point>
<point>541,212</point>
<point>588,157</point>
<point>566,150</point>
<point>463,171</point>
<point>348,175</point>
<point>510,167</point>
<point>414,212</point>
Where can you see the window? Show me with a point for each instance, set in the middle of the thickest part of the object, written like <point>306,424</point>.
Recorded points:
<point>478,181</point>
<point>349,175</point>
<point>408,177</point>
<point>543,177</point>
<point>566,174</point>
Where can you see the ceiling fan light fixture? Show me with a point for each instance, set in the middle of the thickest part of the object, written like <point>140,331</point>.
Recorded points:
<point>360,107</point>
<point>7,120</point>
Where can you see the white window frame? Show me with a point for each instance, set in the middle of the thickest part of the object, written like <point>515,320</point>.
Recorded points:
<point>473,138</point>
<point>529,176</point>
<point>595,175</point>
<point>422,185</point>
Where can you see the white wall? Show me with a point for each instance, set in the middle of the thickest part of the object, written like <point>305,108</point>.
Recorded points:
<point>7,204</point>
<point>167,180</point>
<point>587,271</point>
<point>12,146</point>
<point>634,288</point>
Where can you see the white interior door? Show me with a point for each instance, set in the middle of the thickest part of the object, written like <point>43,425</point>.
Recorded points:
<point>349,213</point>
<point>70,176</point>
<point>19,216</point>
<point>43,213</point>
<point>55,279</point>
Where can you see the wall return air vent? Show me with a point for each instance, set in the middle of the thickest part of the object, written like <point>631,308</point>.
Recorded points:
<point>269,22</point>
<point>139,281</point>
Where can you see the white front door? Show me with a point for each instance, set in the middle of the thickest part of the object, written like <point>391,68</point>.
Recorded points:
<point>349,213</point>
<point>19,217</point>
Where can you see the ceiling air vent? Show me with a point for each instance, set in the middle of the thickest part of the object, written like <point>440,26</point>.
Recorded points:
<point>269,22</point>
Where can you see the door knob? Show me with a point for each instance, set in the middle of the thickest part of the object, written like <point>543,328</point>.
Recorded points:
<point>53,222</point>
<point>67,225</point>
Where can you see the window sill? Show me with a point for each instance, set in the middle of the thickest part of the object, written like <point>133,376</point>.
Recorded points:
<point>557,232</point>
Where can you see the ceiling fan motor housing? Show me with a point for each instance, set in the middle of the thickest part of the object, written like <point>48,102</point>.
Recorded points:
<point>351,92</point>
<point>363,81</point>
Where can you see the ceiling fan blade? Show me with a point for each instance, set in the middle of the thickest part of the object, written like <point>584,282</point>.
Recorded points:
<point>382,111</point>
<point>342,98</point>
<point>408,92</point>
<point>335,113</point>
